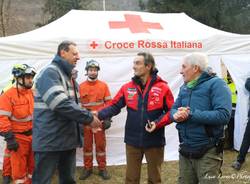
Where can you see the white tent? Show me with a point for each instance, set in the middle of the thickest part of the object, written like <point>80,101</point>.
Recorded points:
<point>114,38</point>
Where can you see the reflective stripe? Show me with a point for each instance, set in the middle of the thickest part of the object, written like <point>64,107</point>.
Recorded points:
<point>5,113</point>
<point>28,118</point>
<point>40,105</point>
<point>30,176</point>
<point>88,153</point>
<point>6,154</point>
<point>20,181</point>
<point>62,77</point>
<point>78,95</point>
<point>36,93</point>
<point>71,93</point>
<point>107,98</point>
<point>57,100</point>
<point>60,73</point>
<point>52,90</point>
<point>100,154</point>
<point>84,108</point>
<point>93,104</point>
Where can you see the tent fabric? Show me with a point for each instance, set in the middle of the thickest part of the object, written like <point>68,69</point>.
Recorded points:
<point>167,36</point>
<point>86,26</point>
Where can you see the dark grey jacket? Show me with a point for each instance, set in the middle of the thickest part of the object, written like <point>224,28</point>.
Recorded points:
<point>56,114</point>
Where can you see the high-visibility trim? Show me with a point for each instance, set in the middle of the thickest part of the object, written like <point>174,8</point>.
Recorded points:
<point>57,100</point>
<point>36,93</point>
<point>52,90</point>
<point>107,98</point>
<point>30,176</point>
<point>88,154</point>
<point>5,113</point>
<point>40,105</point>
<point>20,181</point>
<point>71,93</point>
<point>61,75</point>
<point>100,154</point>
<point>93,104</point>
<point>6,155</point>
<point>28,118</point>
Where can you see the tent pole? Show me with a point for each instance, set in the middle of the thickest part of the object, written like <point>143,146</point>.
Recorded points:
<point>104,5</point>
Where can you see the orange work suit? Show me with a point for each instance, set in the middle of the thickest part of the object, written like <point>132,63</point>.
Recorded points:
<point>6,158</point>
<point>16,109</point>
<point>6,163</point>
<point>94,95</point>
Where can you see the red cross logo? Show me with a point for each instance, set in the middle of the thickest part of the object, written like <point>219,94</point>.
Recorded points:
<point>135,24</point>
<point>93,45</point>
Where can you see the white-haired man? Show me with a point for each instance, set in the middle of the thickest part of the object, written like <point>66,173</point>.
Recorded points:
<point>201,110</point>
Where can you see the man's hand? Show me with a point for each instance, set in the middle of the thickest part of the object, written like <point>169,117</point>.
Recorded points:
<point>95,113</point>
<point>96,124</point>
<point>10,139</point>
<point>106,124</point>
<point>182,114</point>
<point>150,126</point>
<point>12,145</point>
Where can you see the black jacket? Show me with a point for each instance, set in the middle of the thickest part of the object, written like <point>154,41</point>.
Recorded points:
<point>247,86</point>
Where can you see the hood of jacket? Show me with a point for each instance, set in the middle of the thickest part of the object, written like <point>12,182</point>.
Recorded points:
<point>63,65</point>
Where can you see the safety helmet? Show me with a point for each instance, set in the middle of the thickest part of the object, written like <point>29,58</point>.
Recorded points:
<point>92,63</point>
<point>20,70</point>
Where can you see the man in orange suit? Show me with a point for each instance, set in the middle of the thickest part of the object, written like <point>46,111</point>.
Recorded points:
<point>94,95</point>
<point>16,111</point>
<point>6,172</point>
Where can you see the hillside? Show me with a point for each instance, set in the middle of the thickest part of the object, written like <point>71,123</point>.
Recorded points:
<point>20,16</point>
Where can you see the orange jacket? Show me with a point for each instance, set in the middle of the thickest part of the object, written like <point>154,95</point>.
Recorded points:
<point>16,109</point>
<point>94,95</point>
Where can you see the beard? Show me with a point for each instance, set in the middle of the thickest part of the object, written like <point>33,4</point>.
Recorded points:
<point>25,85</point>
<point>93,77</point>
<point>29,86</point>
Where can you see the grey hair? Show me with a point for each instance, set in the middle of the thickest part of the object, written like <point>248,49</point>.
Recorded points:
<point>197,58</point>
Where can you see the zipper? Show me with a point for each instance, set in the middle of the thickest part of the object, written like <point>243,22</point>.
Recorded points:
<point>190,98</point>
<point>188,104</point>
<point>142,94</point>
<point>142,125</point>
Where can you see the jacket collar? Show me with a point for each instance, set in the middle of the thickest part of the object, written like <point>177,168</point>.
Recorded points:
<point>137,80</point>
<point>63,65</point>
<point>203,77</point>
<point>154,78</point>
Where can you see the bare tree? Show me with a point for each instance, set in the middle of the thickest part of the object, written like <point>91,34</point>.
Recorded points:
<point>2,17</point>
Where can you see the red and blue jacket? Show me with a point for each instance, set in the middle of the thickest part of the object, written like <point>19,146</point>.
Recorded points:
<point>153,104</point>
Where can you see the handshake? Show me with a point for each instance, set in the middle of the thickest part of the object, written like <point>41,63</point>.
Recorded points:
<point>182,114</point>
<point>97,124</point>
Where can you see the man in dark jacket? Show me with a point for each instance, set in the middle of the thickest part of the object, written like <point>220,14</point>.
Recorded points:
<point>148,100</point>
<point>246,139</point>
<point>201,110</point>
<point>57,116</point>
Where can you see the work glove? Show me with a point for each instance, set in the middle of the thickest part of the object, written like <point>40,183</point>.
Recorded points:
<point>106,123</point>
<point>10,139</point>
